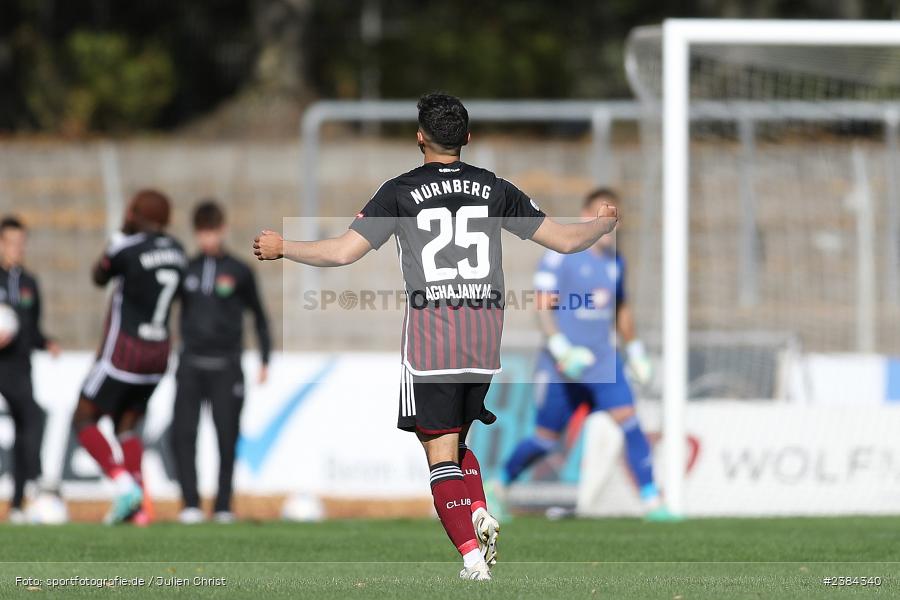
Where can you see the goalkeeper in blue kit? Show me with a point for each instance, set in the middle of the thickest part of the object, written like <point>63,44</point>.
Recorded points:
<point>581,307</point>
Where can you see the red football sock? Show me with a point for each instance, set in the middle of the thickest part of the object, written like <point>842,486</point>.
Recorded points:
<point>468,462</point>
<point>451,500</point>
<point>97,446</point>
<point>132,453</point>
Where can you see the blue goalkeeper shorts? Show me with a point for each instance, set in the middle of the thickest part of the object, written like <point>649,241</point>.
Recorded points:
<point>557,398</point>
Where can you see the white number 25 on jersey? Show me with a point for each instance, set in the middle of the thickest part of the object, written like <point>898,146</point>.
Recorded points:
<point>463,238</point>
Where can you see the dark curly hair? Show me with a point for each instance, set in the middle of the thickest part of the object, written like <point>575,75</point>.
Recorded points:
<point>150,206</point>
<point>444,120</point>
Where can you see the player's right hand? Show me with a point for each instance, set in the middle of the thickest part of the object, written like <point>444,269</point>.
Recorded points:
<point>572,361</point>
<point>268,245</point>
<point>575,362</point>
<point>5,340</point>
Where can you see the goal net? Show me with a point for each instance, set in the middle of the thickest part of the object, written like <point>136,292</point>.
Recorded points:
<point>793,188</point>
<point>793,226</point>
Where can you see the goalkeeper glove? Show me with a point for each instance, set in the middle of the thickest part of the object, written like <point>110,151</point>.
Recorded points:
<point>572,361</point>
<point>639,368</point>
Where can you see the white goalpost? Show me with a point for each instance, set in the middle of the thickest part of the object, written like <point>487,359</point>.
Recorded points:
<point>678,38</point>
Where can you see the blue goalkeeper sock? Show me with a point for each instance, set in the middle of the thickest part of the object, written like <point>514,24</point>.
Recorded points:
<point>528,451</point>
<point>640,461</point>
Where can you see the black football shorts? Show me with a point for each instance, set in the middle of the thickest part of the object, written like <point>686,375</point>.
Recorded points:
<point>442,404</point>
<point>113,396</point>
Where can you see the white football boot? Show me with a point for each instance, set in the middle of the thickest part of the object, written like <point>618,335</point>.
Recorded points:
<point>191,515</point>
<point>17,516</point>
<point>224,517</point>
<point>487,531</point>
<point>477,572</point>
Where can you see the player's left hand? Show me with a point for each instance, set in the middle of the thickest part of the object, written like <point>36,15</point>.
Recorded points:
<point>640,369</point>
<point>268,245</point>
<point>54,349</point>
<point>611,214</point>
<point>263,374</point>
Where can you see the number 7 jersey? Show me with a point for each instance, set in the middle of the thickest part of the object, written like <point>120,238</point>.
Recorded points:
<point>146,271</point>
<point>447,219</point>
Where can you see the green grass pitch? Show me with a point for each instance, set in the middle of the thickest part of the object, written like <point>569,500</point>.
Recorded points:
<point>608,558</point>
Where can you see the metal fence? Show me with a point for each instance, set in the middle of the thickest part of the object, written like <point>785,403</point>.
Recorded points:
<point>607,163</point>
<point>70,194</point>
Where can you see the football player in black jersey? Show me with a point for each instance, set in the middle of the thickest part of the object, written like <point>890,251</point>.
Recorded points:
<point>19,290</point>
<point>218,289</point>
<point>447,217</point>
<point>146,266</point>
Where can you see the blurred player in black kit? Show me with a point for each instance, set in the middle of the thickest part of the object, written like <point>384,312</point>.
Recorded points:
<point>19,289</point>
<point>447,216</point>
<point>217,290</point>
<point>146,266</point>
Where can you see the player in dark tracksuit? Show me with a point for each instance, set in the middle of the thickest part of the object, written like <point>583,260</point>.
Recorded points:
<point>19,289</point>
<point>217,290</point>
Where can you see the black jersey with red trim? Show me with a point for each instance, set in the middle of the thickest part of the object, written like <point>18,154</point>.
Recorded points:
<point>447,219</point>
<point>147,270</point>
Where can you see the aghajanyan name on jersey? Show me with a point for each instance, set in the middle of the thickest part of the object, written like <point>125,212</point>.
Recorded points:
<point>463,291</point>
<point>426,191</point>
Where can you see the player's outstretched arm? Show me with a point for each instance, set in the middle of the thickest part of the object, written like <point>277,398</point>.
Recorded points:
<point>332,252</point>
<point>568,238</point>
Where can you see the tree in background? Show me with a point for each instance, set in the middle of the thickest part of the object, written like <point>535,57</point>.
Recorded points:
<point>98,81</point>
<point>77,65</point>
<point>82,65</point>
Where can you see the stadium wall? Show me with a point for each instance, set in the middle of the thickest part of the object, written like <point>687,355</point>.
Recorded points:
<point>59,188</point>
